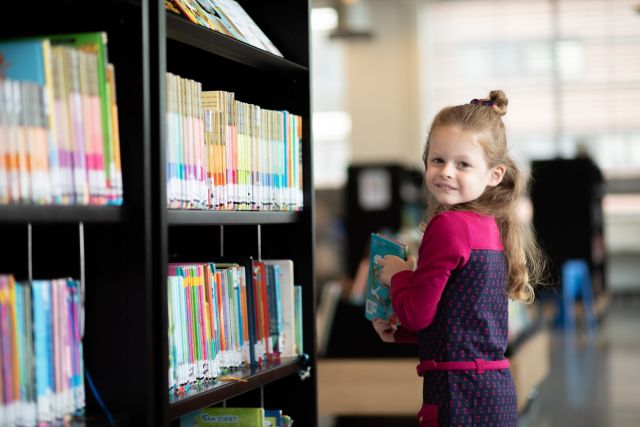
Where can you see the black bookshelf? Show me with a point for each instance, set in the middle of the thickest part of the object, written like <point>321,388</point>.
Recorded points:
<point>219,44</point>
<point>61,214</point>
<point>259,77</point>
<point>222,390</point>
<point>127,248</point>
<point>204,217</point>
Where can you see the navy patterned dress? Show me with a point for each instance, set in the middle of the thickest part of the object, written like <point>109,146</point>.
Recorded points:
<point>456,302</point>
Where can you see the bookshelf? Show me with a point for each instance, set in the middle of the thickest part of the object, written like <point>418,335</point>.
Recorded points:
<point>126,249</point>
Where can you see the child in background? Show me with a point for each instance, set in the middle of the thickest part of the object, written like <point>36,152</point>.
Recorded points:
<point>474,255</point>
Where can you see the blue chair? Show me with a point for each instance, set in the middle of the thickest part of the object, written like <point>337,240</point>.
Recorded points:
<point>576,282</point>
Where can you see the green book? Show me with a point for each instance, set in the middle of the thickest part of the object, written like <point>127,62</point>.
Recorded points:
<point>377,295</point>
<point>96,42</point>
<point>238,417</point>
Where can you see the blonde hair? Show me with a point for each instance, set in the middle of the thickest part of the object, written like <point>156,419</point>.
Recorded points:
<point>525,260</point>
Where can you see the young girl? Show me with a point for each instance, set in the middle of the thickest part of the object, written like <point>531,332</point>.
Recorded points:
<point>474,255</point>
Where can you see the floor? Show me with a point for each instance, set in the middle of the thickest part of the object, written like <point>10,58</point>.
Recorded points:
<point>594,379</point>
<point>594,382</point>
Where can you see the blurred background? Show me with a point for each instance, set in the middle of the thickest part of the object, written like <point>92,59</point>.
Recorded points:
<point>571,71</point>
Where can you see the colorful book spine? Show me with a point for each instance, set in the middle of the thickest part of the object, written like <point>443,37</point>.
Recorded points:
<point>297,293</point>
<point>60,140</point>
<point>242,157</point>
<point>286,277</point>
<point>222,319</point>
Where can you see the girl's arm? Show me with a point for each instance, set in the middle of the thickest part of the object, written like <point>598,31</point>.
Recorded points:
<point>415,294</point>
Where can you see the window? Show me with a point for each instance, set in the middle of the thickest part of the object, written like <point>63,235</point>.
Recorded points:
<point>331,123</point>
<point>570,68</point>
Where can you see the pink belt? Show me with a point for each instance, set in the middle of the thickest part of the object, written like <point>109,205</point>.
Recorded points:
<point>478,365</point>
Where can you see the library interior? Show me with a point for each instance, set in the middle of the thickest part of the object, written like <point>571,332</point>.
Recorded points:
<point>197,197</point>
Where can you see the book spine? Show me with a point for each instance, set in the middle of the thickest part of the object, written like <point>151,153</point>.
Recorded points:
<point>298,314</point>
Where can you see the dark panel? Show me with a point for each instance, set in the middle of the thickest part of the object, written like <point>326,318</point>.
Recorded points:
<point>379,198</point>
<point>567,214</point>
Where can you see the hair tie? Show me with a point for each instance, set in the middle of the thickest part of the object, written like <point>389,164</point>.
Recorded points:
<point>483,102</point>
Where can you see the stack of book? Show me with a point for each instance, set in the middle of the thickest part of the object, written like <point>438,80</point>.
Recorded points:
<point>226,154</point>
<point>225,316</point>
<point>226,17</point>
<point>59,137</point>
<point>41,368</point>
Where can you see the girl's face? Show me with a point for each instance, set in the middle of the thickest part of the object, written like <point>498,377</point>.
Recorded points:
<point>456,170</point>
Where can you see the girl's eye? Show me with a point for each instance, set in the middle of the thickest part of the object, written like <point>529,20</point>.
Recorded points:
<point>436,161</point>
<point>464,165</point>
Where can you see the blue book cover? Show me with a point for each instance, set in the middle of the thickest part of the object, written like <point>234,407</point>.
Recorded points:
<point>377,295</point>
<point>24,60</point>
<point>218,14</point>
<point>76,380</point>
<point>286,315</point>
<point>272,418</point>
<point>237,286</point>
<point>275,306</point>
<point>43,349</point>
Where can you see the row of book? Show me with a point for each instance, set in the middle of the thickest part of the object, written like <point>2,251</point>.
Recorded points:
<point>239,417</point>
<point>226,154</point>
<point>59,133</point>
<point>41,369</point>
<point>226,17</point>
<point>225,316</point>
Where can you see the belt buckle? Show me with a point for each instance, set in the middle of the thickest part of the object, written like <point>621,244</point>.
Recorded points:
<point>479,366</point>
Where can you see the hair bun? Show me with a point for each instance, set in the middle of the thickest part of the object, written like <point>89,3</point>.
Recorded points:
<point>500,101</point>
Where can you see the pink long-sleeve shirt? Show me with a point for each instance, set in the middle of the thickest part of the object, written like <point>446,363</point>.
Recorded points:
<point>446,245</point>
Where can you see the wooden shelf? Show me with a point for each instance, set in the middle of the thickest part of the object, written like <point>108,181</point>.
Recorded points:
<point>208,394</point>
<point>352,387</point>
<point>530,365</point>
<point>61,214</point>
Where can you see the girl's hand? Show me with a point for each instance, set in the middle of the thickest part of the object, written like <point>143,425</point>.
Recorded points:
<point>385,329</point>
<point>392,264</point>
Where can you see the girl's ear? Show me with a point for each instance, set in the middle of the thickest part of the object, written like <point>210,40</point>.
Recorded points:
<point>496,175</point>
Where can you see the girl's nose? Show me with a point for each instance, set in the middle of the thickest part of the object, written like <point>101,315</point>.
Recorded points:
<point>448,170</point>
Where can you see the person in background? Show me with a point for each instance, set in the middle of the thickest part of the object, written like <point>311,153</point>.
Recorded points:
<point>475,254</point>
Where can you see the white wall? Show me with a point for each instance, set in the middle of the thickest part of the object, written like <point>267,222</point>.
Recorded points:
<point>381,90</point>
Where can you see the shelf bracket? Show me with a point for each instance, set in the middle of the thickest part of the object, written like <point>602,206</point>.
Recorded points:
<point>262,396</point>
<point>82,275</point>
<point>30,252</point>
<point>305,372</point>
<point>221,240</point>
<point>259,242</point>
